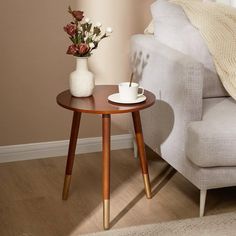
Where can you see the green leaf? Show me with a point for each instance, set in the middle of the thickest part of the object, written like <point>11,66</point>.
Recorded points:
<point>84,27</point>
<point>96,31</point>
<point>89,27</point>
<point>87,41</point>
<point>80,38</point>
<point>73,40</point>
<point>76,38</point>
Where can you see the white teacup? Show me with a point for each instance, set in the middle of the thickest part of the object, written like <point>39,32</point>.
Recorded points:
<point>129,93</point>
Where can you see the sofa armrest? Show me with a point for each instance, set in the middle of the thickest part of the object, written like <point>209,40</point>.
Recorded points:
<point>177,81</point>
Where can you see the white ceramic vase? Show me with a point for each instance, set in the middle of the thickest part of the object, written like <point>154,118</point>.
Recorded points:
<point>81,80</point>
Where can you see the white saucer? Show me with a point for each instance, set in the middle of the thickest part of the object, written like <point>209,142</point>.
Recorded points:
<point>116,98</point>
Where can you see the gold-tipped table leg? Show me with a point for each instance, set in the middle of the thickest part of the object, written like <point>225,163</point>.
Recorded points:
<point>71,154</point>
<point>106,140</point>
<point>142,153</point>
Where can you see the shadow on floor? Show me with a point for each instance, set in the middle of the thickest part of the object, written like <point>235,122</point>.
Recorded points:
<point>157,184</point>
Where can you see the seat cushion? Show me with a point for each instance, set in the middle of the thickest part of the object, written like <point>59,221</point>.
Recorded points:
<point>173,28</point>
<point>212,141</point>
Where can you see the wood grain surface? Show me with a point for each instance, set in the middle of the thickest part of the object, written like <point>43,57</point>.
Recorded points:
<point>98,103</point>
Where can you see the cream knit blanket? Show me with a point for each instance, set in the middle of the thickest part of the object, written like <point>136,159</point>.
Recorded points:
<point>217,25</point>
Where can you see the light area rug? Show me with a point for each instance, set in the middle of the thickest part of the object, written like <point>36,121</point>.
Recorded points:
<point>217,225</point>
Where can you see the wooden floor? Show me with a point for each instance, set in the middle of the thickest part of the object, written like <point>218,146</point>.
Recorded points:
<point>31,205</point>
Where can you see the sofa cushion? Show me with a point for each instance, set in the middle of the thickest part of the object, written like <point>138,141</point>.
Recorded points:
<point>212,141</point>
<point>173,28</point>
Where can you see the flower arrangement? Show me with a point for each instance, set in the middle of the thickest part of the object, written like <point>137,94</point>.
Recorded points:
<point>84,35</point>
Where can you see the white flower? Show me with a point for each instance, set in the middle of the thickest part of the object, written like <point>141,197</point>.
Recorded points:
<point>87,20</point>
<point>98,24</point>
<point>109,30</point>
<point>91,45</point>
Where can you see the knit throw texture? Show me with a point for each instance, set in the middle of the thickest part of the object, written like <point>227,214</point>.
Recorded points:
<point>217,25</point>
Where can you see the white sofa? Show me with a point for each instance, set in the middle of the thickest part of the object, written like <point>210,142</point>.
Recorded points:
<point>193,123</point>
<point>195,135</point>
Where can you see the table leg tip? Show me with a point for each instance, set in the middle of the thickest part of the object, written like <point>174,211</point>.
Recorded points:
<point>106,214</point>
<point>66,187</point>
<point>147,186</point>
<point>106,227</point>
<point>64,197</point>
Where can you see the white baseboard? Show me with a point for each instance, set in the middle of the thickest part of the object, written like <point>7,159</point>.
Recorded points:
<point>60,148</point>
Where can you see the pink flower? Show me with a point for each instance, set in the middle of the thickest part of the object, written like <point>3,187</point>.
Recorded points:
<point>78,15</point>
<point>72,49</point>
<point>83,48</point>
<point>70,29</point>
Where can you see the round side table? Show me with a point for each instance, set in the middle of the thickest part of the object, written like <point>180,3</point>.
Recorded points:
<point>99,104</point>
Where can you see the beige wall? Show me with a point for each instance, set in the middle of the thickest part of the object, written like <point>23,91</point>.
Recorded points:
<point>34,67</point>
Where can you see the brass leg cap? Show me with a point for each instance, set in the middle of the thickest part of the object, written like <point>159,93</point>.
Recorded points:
<point>66,187</point>
<point>106,214</point>
<point>147,186</point>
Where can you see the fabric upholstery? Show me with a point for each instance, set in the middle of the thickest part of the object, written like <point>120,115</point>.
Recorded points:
<point>173,28</point>
<point>212,141</point>
<point>212,86</point>
<point>177,81</point>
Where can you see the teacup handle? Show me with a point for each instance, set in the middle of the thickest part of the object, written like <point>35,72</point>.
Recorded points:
<point>141,94</point>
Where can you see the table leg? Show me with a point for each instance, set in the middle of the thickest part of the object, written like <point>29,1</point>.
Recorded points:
<point>71,153</point>
<point>141,151</point>
<point>106,127</point>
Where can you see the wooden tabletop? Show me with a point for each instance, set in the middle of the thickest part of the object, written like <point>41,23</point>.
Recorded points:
<point>99,104</point>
